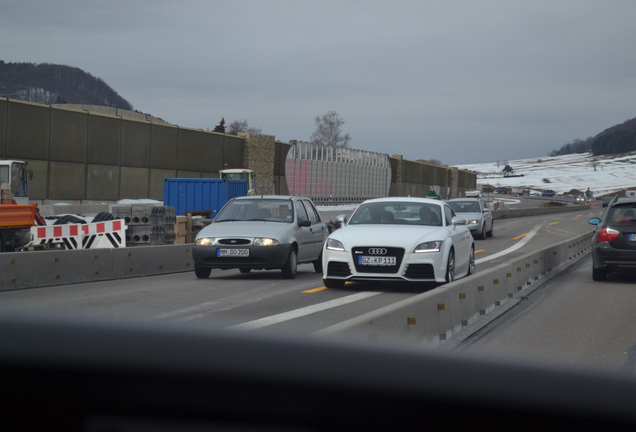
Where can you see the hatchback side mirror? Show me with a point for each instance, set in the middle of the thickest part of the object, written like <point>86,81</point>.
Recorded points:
<point>304,223</point>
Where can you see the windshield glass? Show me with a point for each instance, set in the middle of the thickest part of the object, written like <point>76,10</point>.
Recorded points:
<point>400,213</point>
<point>4,174</point>
<point>277,210</point>
<point>236,176</point>
<point>464,206</point>
<point>18,180</point>
<point>623,213</point>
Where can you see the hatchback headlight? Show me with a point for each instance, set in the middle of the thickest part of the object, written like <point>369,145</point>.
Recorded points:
<point>432,246</point>
<point>333,244</point>
<point>265,241</point>
<point>205,241</point>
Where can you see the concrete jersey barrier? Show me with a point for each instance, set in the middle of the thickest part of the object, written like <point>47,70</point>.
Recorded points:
<point>20,270</point>
<point>446,315</point>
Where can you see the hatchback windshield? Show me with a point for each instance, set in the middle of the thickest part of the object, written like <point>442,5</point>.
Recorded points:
<point>276,210</point>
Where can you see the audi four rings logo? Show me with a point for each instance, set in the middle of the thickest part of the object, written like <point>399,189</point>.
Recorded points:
<point>377,251</point>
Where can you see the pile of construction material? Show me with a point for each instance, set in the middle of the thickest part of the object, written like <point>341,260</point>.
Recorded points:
<point>147,224</point>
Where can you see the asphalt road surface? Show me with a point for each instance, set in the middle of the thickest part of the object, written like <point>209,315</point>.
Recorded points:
<point>572,320</point>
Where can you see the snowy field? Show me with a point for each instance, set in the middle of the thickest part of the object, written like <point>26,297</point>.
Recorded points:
<point>563,173</point>
<point>559,173</point>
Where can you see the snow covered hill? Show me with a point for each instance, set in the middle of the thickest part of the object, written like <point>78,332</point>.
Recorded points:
<point>613,173</point>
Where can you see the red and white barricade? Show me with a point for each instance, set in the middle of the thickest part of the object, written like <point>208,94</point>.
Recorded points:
<point>96,235</point>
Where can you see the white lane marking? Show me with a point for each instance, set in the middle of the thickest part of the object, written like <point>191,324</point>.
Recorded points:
<point>523,241</point>
<point>286,316</point>
<point>201,306</point>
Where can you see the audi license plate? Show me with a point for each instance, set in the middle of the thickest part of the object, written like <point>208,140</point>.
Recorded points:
<point>232,252</point>
<point>376,260</point>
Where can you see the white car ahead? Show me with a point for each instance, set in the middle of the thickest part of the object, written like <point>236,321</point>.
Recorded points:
<point>478,217</point>
<point>401,239</point>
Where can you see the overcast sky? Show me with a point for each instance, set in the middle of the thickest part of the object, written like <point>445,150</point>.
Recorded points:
<point>461,81</point>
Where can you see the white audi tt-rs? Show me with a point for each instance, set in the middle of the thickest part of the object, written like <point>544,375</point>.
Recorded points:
<point>402,239</point>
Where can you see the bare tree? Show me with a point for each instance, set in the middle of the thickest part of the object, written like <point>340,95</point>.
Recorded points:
<point>241,126</point>
<point>594,163</point>
<point>328,131</point>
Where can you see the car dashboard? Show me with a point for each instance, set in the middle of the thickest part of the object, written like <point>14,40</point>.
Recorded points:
<point>96,376</point>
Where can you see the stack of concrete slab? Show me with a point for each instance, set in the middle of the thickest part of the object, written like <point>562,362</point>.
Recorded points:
<point>148,224</point>
<point>162,222</point>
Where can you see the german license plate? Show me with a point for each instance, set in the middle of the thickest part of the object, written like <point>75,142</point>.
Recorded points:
<point>631,237</point>
<point>232,252</point>
<point>376,261</point>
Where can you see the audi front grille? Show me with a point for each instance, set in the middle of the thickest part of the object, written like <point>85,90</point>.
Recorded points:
<point>379,251</point>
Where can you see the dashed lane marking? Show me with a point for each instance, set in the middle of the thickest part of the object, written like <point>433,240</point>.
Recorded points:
<point>286,316</point>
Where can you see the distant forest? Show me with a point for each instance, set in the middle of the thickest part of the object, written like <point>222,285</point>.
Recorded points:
<point>617,139</point>
<point>56,84</point>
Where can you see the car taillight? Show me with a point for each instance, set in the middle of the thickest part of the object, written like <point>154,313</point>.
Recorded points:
<point>607,234</point>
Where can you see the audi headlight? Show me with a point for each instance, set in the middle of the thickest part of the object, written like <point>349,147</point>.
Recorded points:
<point>333,244</point>
<point>432,246</point>
<point>473,221</point>
<point>205,241</point>
<point>264,241</point>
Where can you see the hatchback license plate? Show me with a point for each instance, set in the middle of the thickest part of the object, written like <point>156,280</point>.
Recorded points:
<point>232,252</point>
<point>376,261</point>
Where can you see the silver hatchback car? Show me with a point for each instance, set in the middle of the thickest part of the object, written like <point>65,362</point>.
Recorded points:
<point>261,233</point>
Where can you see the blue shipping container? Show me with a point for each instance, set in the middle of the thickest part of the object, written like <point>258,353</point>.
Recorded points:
<point>200,194</point>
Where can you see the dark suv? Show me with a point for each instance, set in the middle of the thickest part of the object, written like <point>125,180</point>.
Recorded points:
<point>614,242</point>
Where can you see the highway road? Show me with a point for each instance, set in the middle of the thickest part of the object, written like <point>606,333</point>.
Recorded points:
<point>581,324</point>
<point>570,321</point>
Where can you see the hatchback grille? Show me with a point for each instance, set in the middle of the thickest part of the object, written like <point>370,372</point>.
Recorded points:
<point>234,242</point>
<point>398,253</point>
